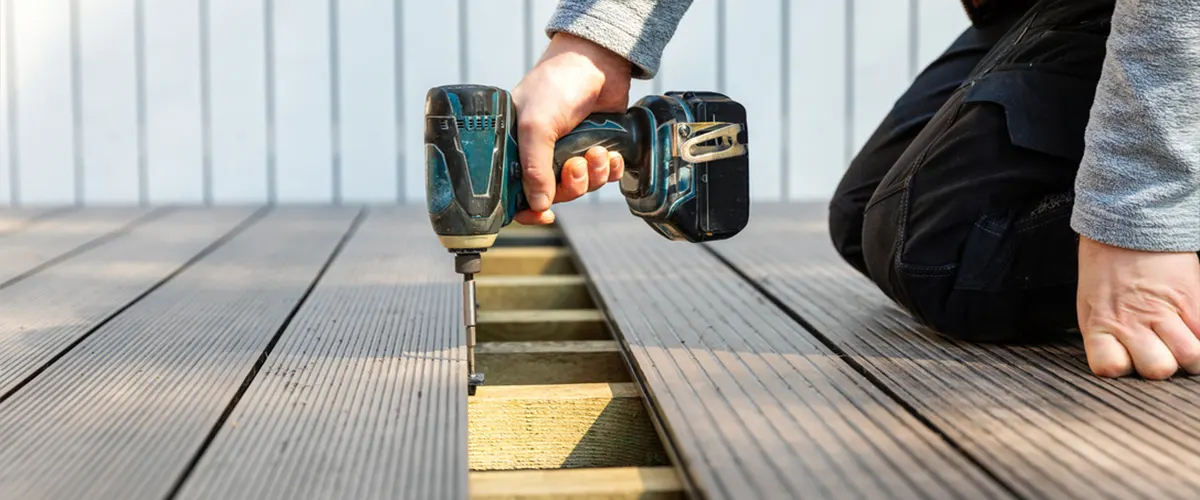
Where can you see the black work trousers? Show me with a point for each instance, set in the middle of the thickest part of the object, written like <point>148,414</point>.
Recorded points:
<point>958,207</point>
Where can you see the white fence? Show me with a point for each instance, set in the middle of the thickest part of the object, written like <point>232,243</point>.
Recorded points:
<point>231,101</point>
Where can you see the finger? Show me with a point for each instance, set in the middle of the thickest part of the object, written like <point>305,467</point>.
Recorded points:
<point>1151,357</point>
<point>574,180</point>
<point>531,218</point>
<point>537,150</point>
<point>1182,342</point>
<point>616,166</point>
<point>597,160</point>
<point>1106,356</point>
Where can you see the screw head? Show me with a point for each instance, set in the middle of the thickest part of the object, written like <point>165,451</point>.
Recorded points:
<point>685,131</point>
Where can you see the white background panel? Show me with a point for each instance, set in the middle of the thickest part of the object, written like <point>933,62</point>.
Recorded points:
<point>540,12</point>
<point>881,62</point>
<point>45,130</point>
<point>6,151</point>
<point>690,60</point>
<point>303,125</point>
<point>237,76</point>
<point>367,96</point>
<point>109,101</point>
<point>939,23</point>
<point>816,99</point>
<point>431,51</point>
<point>495,46</point>
<point>173,116</point>
<point>753,78</point>
<point>283,97</point>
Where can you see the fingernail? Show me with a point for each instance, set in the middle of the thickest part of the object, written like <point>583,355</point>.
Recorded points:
<point>540,202</point>
<point>579,172</point>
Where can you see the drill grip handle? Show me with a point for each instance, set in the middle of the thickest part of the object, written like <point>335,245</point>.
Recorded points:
<point>613,131</point>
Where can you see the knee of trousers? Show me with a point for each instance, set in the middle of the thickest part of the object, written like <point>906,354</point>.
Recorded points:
<point>845,222</point>
<point>984,295</point>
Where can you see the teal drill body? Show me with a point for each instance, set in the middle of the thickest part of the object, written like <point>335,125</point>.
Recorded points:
<point>686,170</point>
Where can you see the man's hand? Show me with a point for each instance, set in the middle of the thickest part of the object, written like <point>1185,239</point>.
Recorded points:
<point>573,79</point>
<point>1138,310</point>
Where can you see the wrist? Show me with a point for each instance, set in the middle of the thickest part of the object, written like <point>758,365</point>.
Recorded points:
<point>609,63</point>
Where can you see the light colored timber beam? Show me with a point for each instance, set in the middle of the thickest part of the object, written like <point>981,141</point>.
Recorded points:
<point>560,426</point>
<point>531,325</point>
<point>535,260</point>
<point>608,483</point>
<point>532,292</point>
<point>550,362</point>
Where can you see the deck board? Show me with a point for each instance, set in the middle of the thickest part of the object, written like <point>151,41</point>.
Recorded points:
<point>32,248</point>
<point>1032,415</point>
<point>752,405</point>
<point>365,394</point>
<point>123,414</point>
<point>45,314</point>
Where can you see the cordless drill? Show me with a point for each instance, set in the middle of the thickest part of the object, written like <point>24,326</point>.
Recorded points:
<point>686,170</point>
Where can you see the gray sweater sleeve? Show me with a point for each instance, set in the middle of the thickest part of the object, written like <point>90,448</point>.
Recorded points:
<point>1139,183</point>
<point>638,30</point>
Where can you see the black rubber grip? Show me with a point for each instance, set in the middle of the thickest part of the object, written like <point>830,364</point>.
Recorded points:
<point>613,131</point>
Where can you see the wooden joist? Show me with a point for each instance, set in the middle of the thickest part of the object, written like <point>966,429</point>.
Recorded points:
<point>507,292</point>
<point>541,324</point>
<point>526,261</point>
<point>560,426</point>
<point>550,362</point>
<point>600,483</point>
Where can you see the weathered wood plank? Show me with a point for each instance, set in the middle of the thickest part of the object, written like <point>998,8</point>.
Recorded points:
<point>41,317</point>
<point>364,396</point>
<point>753,406</point>
<point>123,414</point>
<point>1034,416</point>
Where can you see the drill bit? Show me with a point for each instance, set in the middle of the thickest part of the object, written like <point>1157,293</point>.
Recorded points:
<point>468,264</point>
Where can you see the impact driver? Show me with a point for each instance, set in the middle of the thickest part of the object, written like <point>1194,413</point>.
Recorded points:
<point>686,170</point>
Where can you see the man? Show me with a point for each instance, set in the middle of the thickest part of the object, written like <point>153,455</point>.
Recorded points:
<point>1042,175</point>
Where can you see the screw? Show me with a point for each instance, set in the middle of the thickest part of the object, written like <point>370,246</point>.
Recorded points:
<point>685,131</point>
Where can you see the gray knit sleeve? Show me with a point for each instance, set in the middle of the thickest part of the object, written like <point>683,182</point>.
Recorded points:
<point>638,30</point>
<point>1139,183</point>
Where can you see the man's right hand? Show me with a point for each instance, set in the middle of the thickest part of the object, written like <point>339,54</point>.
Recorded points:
<point>1139,311</point>
<point>574,78</point>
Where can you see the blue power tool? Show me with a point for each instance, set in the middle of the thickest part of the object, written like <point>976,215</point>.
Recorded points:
<point>686,170</point>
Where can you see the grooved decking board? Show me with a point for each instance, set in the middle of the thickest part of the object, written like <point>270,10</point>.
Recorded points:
<point>752,405</point>
<point>14,219</point>
<point>40,244</point>
<point>1033,415</point>
<point>365,394</point>
<point>43,315</point>
<point>124,412</point>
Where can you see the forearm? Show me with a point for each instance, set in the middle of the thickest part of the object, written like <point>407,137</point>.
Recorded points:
<point>1138,186</point>
<point>638,30</point>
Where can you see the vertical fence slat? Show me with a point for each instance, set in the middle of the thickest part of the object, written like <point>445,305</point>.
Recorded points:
<point>173,115</point>
<point>881,62</point>
<point>6,108</point>
<point>303,118</point>
<point>238,114</point>
<point>753,77</point>
<point>367,94</point>
<point>45,141</point>
<point>494,46</point>
<point>431,50</point>
<point>690,60</point>
<point>939,23</point>
<point>109,98</point>
<point>540,12</point>
<point>817,104</point>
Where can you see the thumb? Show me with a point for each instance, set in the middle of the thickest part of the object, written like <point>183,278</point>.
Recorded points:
<point>536,140</point>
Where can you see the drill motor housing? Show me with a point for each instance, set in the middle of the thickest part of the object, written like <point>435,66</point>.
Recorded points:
<point>686,163</point>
